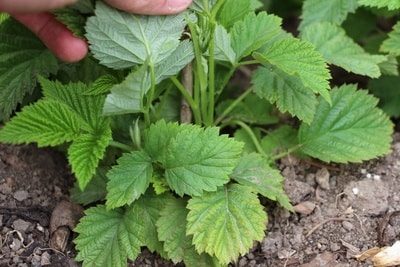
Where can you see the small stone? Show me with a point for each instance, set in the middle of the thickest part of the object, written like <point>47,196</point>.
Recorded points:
<point>21,195</point>
<point>306,207</point>
<point>45,260</point>
<point>21,225</point>
<point>322,177</point>
<point>335,247</point>
<point>16,244</point>
<point>347,225</point>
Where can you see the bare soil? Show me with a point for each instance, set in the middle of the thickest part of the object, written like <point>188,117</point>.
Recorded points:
<point>338,211</point>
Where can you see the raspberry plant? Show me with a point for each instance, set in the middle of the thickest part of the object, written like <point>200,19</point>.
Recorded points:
<point>155,131</point>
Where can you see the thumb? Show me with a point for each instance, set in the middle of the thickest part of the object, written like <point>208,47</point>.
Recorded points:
<point>151,7</point>
<point>27,6</point>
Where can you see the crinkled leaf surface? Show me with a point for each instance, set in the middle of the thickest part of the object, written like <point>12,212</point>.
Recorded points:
<point>299,58</point>
<point>390,4</point>
<point>47,123</point>
<point>225,223</point>
<point>129,179</point>
<point>253,170</point>
<point>127,97</point>
<point>102,85</point>
<point>200,160</point>
<point>253,32</point>
<point>22,57</point>
<point>109,237</point>
<point>351,130</point>
<point>223,47</point>
<point>334,11</point>
<point>120,40</point>
<point>338,49</point>
<point>233,11</point>
<point>392,44</point>
<point>287,91</point>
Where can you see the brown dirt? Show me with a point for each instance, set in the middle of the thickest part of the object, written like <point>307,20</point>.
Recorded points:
<point>339,210</point>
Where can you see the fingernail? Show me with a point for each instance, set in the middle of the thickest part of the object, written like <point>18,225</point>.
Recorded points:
<point>178,4</point>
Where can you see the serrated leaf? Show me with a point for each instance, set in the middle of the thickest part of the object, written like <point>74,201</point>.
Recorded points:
<point>22,57</point>
<point>48,123</point>
<point>175,62</point>
<point>333,11</point>
<point>129,179</point>
<point>223,48</point>
<point>198,5</point>
<point>390,4</point>
<point>387,90</point>
<point>102,85</point>
<point>390,66</point>
<point>279,140</point>
<point>121,40</point>
<point>127,97</point>
<point>225,223</point>
<point>200,160</point>
<point>351,130</point>
<point>392,44</point>
<point>288,92</point>
<point>94,191</point>
<point>171,227</point>
<point>253,170</point>
<point>149,207</point>
<point>109,237</point>
<point>253,32</point>
<point>233,11</point>
<point>299,58</point>
<point>84,155</point>
<point>338,49</point>
<point>73,19</point>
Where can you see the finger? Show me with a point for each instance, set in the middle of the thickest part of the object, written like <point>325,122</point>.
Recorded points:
<point>24,6</point>
<point>151,7</point>
<point>55,36</point>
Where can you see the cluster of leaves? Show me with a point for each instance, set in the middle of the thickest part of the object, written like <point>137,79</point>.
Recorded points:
<point>183,189</point>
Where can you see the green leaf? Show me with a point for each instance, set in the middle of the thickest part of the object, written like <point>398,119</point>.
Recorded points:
<point>351,130</point>
<point>390,66</point>
<point>94,191</point>
<point>243,136</point>
<point>22,57</point>
<point>121,40</point>
<point>149,207</point>
<point>3,17</point>
<point>233,11</point>
<point>200,160</point>
<point>333,11</point>
<point>84,155</point>
<point>73,19</point>
<point>171,228</point>
<point>390,4</point>
<point>253,32</point>
<point>129,179</point>
<point>387,90</point>
<point>299,58</point>
<point>127,97</point>
<point>102,85</point>
<point>338,49</point>
<point>109,237</point>
<point>288,92</point>
<point>279,140</point>
<point>223,47</point>
<point>198,5</point>
<point>225,223</point>
<point>392,44</point>
<point>47,122</point>
<point>253,170</point>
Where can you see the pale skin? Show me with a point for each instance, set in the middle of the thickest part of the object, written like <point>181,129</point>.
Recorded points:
<point>35,16</point>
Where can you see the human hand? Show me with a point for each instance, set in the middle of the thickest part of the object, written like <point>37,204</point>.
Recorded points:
<point>34,15</point>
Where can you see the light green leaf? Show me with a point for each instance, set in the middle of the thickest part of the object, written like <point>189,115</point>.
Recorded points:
<point>127,97</point>
<point>47,122</point>
<point>392,44</point>
<point>198,5</point>
<point>22,57</point>
<point>288,92</point>
<point>338,49</point>
<point>200,160</point>
<point>94,191</point>
<point>171,227</point>
<point>351,130</point>
<point>299,58</point>
<point>102,85</point>
<point>333,11</point>
<point>233,11</point>
<point>223,48</point>
<point>129,179</point>
<point>149,207</point>
<point>84,155</point>
<point>253,170</point>
<point>109,237</point>
<point>121,40</point>
<point>194,259</point>
<point>3,17</point>
<point>175,62</point>
<point>390,66</point>
<point>226,223</point>
<point>253,32</point>
<point>390,4</point>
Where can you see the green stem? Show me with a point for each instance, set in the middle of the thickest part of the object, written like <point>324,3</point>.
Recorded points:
<point>211,78</point>
<point>120,145</point>
<point>231,107</point>
<point>284,154</point>
<point>150,95</point>
<point>253,137</point>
